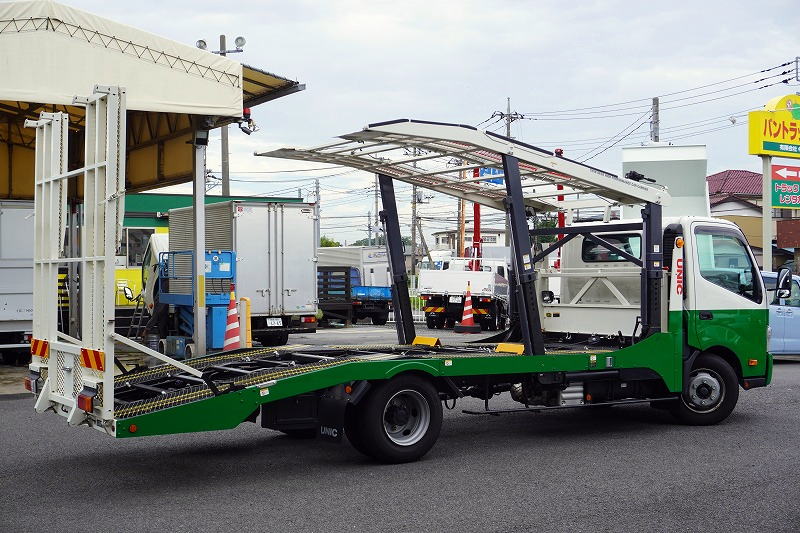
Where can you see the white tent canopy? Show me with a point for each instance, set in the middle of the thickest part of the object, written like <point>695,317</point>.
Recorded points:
<point>49,53</point>
<point>74,50</point>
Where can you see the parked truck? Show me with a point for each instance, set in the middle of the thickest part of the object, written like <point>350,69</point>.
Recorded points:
<point>443,293</point>
<point>353,283</point>
<point>16,277</point>
<point>700,333</point>
<point>275,262</point>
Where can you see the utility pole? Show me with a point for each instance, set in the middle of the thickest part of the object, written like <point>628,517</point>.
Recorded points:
<point>424,244</point>
<point>508,117</point>
<point>369,228</point>
<point>223,51</point>
<point>414,221</point>
<point>226,168</point>
<point>317,226</point>
<point>377,212</point>
<point>654,121</point>
<point>461,222</point>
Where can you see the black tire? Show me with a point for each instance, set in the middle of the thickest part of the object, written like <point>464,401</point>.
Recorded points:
<point>710,394</point>
<point>300,434</point>
<point>430,322</point>
<point>274,339</point>
<point>380,320</point>
<point>399,420</point>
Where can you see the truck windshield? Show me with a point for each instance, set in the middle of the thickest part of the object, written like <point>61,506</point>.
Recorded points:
<point>723,260</point>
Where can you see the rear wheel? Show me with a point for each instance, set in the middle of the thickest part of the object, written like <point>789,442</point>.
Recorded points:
<point>430,322</point>
<point>710,393</point>
<point>380,320</point>
<point>399,420</point>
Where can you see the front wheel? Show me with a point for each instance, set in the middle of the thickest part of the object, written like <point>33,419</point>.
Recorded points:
<point>710,393</point>
<point>399,420</point>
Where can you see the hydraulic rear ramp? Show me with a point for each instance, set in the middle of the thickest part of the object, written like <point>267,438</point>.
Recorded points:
<point>446,155</point>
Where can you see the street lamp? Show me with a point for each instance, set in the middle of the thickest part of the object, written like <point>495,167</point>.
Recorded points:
<point>223,51</point>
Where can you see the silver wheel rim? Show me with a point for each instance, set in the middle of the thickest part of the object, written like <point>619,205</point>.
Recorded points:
<point>705,391</point>
<point>406,417</point>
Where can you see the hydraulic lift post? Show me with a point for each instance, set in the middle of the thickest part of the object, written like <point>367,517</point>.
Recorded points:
<point>403,318</point>
<point>529,320</point>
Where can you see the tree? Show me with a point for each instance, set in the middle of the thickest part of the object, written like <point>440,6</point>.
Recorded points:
<point>327,242</point>
<point>380,241</point>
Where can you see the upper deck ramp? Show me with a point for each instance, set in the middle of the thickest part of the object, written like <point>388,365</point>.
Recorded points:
<point>445,157</point>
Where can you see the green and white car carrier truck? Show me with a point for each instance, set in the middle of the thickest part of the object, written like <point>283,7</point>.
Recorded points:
<point>696,335</point>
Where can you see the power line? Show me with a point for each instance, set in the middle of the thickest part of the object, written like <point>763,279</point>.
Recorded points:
<point>662,95</point>
<point>586,154</point>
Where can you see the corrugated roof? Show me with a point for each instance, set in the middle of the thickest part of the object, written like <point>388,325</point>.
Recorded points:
<point>739,182</point>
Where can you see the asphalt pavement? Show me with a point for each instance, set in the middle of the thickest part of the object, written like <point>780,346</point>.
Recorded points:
<point>621,469</point>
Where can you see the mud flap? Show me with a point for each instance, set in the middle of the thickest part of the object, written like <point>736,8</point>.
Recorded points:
<point>330,413</point>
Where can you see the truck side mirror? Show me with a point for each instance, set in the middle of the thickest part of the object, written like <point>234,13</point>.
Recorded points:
<point>128,293</point>
<point>783,287</point>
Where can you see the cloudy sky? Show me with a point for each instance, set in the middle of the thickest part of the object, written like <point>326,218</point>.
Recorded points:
<point>458,61</point>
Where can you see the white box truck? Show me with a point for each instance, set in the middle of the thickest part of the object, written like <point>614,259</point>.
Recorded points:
<point>275,260</point>
<point>16,277</point>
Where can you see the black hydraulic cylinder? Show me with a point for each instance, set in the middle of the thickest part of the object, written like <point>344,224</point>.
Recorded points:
<point>529,320</point>
<point>403,318</point>
<point>652,269</point>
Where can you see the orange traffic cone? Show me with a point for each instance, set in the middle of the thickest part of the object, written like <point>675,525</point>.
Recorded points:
<point>231,341</point>
<point>467,324</point>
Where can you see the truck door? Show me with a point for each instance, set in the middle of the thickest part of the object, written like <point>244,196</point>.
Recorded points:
<point>776,317</point>
<point>294,227</point>
<point>791,321</point>
<point>726,307</point>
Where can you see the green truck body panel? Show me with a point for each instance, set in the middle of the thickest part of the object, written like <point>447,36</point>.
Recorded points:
<point>742,331</point>
<point>229,410</point>
<point>661,352</point>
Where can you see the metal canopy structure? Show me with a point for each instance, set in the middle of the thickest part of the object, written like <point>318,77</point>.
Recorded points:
<point>448,156</point>
<point>52,52</point>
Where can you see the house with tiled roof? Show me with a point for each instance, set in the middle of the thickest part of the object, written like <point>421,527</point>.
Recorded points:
<point>735,195</point>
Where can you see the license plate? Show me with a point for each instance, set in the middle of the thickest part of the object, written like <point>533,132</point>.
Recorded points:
<point>274,322</point>
<point>455,299</point>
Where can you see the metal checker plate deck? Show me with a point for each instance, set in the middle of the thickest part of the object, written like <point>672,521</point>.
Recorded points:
<point>390,351</point>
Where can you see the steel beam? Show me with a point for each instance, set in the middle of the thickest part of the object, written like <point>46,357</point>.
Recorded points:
<point>529,319</point>
<point>403,318</point>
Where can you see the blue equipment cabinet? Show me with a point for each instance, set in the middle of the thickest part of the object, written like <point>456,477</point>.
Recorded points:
<point>176,288</point>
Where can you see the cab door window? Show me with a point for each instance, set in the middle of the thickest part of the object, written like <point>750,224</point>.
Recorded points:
<point>723,260</point>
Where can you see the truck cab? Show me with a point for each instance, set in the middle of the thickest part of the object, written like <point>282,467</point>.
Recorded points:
<point>713,292</point>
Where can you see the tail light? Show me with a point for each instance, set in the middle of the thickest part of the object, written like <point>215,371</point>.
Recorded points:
<point>485,299</point>
<point>26,338</point>
<point>86,399</point>
<point>31,382</point>
<point>424,297</point>
<point>356,302</point>
<point>308,319</point>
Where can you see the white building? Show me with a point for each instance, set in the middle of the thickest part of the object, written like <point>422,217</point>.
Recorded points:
<point>448,239</point>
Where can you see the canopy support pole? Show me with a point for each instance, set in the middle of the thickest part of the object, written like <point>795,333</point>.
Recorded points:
<point>199,282</point>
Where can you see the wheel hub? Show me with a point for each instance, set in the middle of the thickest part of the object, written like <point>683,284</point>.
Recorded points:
<point>406,417</point>
<point>705,390</point>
